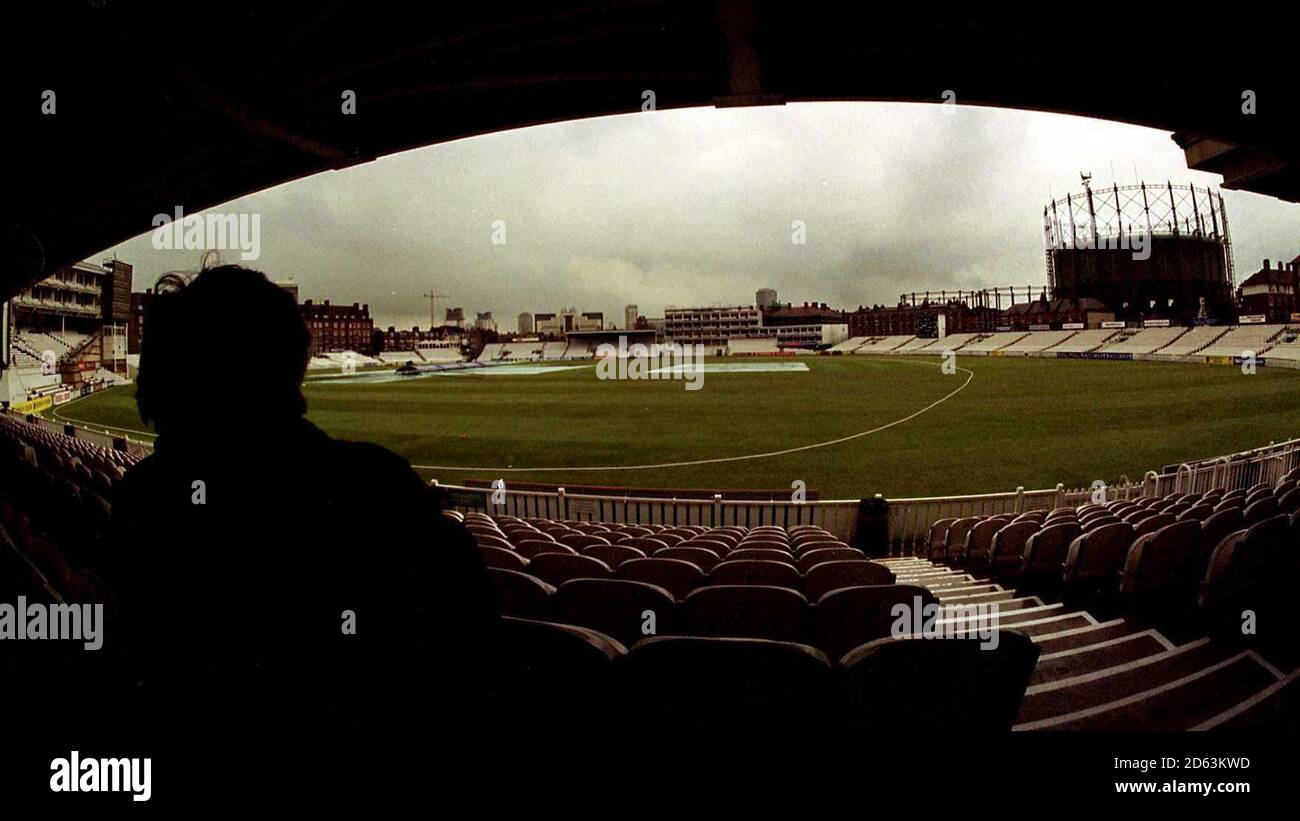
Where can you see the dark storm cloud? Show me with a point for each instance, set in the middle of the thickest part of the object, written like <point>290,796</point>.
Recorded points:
<point>696,206</point>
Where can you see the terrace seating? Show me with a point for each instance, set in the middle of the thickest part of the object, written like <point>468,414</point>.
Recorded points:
<point>1147,340</point>
<point>1240,339</point>
<point>883,344</point>
<point>1194,340</point>
<point>1085,341</point>
<point>994,342</point>
<point>1038,341</point>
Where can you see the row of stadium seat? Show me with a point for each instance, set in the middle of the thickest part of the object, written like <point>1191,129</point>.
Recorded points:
<point>1158,554</point>
<point>1277,341</point>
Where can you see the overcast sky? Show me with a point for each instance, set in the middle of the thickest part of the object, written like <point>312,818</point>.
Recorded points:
<point>695,207</point>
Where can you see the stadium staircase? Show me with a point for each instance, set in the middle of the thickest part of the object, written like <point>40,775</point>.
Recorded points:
<point>1112,674</point>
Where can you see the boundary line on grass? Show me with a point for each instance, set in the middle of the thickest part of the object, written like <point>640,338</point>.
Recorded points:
<point>970,377</point>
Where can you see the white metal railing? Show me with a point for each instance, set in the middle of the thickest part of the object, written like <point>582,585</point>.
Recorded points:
<point>838,517</point>
<point>909,519</point>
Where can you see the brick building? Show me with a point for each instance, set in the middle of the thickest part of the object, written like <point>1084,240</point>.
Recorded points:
<point>338,327</point>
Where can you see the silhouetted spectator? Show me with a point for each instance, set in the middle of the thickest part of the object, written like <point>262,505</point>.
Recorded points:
<point>244,546</point>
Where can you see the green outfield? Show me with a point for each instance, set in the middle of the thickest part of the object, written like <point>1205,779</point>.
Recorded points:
<point>999,423</point>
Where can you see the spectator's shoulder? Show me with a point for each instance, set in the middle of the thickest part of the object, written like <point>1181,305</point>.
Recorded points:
<point>375,469</point>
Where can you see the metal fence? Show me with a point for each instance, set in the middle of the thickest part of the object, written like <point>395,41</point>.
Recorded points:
<point>909,519</point>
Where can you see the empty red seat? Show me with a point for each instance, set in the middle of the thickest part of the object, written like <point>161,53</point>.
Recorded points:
<point>620,608</point>
<point>828,554</point>
<point>955,541</point>
<point>756,685</point>
<point>558,568</point>
<point>1151,524</point>
<point>746,611</point>
<point>937,544</point>
<point>761,554</point>
<point>564,667</point>
<point>1095,558</point>
<point>778,574</point>
<point>531,547</point>
<point>519,594</point>
<point>1162,568</point>
<point>578,541</point>
<point>501,557</point>
<point>979,541</point>
<point>674,575</point>
<point>613,554</point>
<point>1196,513</point>
<point>827,576</point>
<point>701,557</point>
<point>1043,562</point>
<point>1007,554</point>
<point>1265,507</point>
<point>1289,502</point>
<point>935,685</point>
<point>850,616</point>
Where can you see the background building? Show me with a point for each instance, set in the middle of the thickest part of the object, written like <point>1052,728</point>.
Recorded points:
<point>765,297</point>
<point>1273,293</point>
<point>455,317</point>
<point>335,328</point>
<point>629,317</point>
<point>485,322</point>
<point>525,323</point>
<point>568,320</point>
<point>712,326</point>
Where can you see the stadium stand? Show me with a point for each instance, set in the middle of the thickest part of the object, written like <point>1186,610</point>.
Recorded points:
<point>1146,340</point>
<point>554,350</point>
<point>491,351</point>
<point>915,344</point>
<point>338,359</point>
<point>398,357</point>
<point>883,344</point>
<point>1241,338</point>
<point>994,342</point>
<point>849,345</point>
<point>1138,597</point>
<point>953,342</point>
<point>1192,341</point>
<point>1038,341</point>
<point>526,351</point>
<point>1083,341</point>
<point>1287,346</point>
<point>579,349</point>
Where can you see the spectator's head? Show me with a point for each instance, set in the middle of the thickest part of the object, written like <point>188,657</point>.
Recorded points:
<point>227,351</point>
